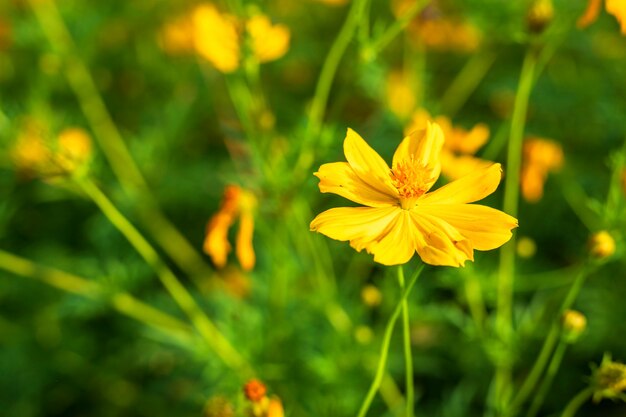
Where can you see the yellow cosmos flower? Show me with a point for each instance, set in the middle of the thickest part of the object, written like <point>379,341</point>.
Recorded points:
<point>457,155</point>
<point>269,42</point>
<point>216,38</point>
<point>541,156</point>
<point>400,94</point>
<point>400,216</point>
<point>236,202</point>
<point>615,7</point>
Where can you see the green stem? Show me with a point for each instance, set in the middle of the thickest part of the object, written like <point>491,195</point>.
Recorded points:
<point>408,356</point>
<point>394,30</point>
<point>384,350</point>
<point>325,81</point>
<point>510,206</point>
<point>179,293</point>
<point>122,302</point>
<point>576,402</point>
<point>113,146</point>
<point>466,82</point>
<point>553,368</point>
<point>549,343</point>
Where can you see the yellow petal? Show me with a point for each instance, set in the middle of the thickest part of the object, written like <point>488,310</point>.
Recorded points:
<point>470,142</point>
<point>269,42</point>
<point>216,241</point>
<point>454,167</point>
<point>438,243</point>
<point>339,178</point>
<point>367,164</point>
<point>244,249</point>
<point>397,245</point>
<point>591,13</point>
<point>618,9</point>
<point>360,225</point>
<point>486,228</point>
<point>216,38</point>
<point>424,147</point>
<point>470,188</point>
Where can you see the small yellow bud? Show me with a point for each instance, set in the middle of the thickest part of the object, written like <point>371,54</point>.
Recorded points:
<point>74,149</point>
<point>601,245</point>
<point>526,247</point>
<point>371,296</point>
<point>574,324</point>
<point>609,380</point>
<point>540,15</point>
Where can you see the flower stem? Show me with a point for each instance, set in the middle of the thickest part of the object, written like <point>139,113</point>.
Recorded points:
<point>553,368</point>
<point>207,329</point>
<point>325,81</point>
<point>113,146</point>
<point>549,343</point>
<point>121,301</point>
<point>510,206</point>
<point>576,402</point>
<point>384,350</point>
<point>394,30</point>
<point>408,356</point>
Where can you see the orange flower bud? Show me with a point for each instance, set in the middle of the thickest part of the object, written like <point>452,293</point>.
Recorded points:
<point>254,390</point>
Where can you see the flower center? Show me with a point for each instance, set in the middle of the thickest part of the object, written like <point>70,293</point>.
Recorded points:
<point>411,179</point>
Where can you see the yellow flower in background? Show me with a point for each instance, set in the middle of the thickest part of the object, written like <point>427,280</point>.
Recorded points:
<point>541,156</point>
<point>615,7</point>
<point>176,37</point>
<point>216,37</point>
<point>333,2</point>
<point>400,94</point>
<point>400,216</point>
<point>74,148</point>
<point>601,245</point>
<point>269,42</point>
<point>236,202</point>
<point>457,158</point>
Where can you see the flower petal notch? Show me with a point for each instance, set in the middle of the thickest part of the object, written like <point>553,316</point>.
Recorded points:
<point>401,216</point>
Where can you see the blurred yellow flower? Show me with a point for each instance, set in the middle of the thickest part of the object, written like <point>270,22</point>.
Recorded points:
<point>236,202</point>
<point>609,380</point>
<point>176,37</point>
<point>615,7</point>
<point>33,155</point>
<point>574,324</point>
<point>215,37</point>
<point>400,94</point>
<point>74,148</point>
<point>401,217</point>
<point>218,38</point>
<point>269,42</point>
<point>601,244</point>
<point>457,158</point>
<point>541,156</point>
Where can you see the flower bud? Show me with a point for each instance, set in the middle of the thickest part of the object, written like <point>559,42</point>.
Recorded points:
<point>275,408</point>
<point>371,295</point>
<point>539,15</point>
<point>609,380</point>
<point>254,390</point>
<point>601,245</point>
<point>526,247</point>
<point>74,149</point>
<point>574,324</point>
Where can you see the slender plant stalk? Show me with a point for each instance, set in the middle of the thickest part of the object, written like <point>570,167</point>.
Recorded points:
<point>408,356</point>
<point>394,29</point>
<point>207,329</point>
<point>113,146</point>
<point>384,350</point>
<point>550,342</point>
<point>325,81</point>
<point>466,82</point>
<point>546,383</point>
<point>576,402</point>
<point>507,254</point>
<point>121,301</point>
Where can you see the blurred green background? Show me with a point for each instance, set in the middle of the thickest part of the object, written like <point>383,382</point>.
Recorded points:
<point>299,317</point>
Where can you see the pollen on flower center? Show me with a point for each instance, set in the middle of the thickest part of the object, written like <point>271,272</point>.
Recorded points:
<point>410,179</point>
